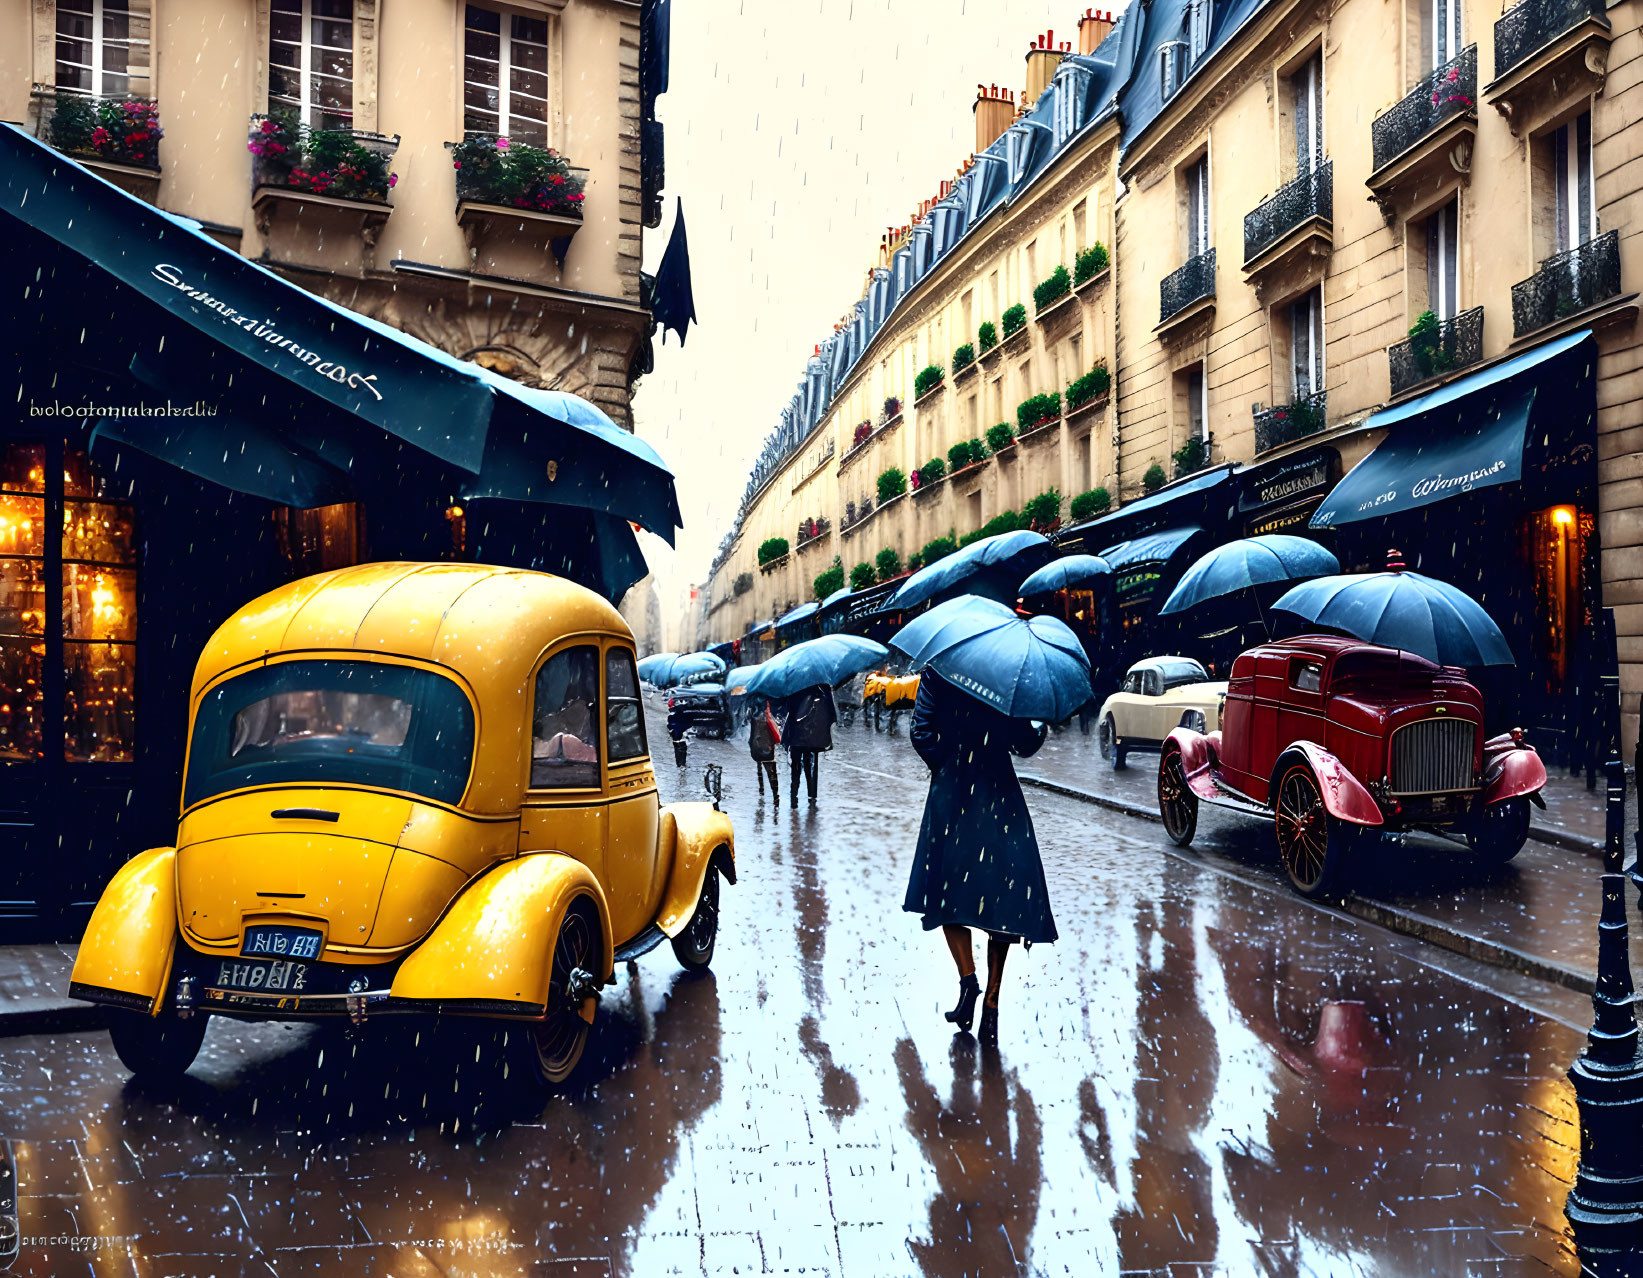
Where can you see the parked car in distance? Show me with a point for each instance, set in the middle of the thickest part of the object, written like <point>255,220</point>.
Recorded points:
<point>1157,696</point>
<point>702,706</point>
<point>885,692</point>
<point>1337,741</point>
<point>408,788</point>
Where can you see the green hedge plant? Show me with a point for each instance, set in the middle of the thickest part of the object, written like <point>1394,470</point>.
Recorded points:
<point>1091,504</point>
<point>939,548</point>
<point>987,336</point>
<point>929,377</point>
<point>932,472</point>
<point>892,483</point>
<point>1014,318</point>
<point>1039,408</point>
<point>1090,263</point>
<point>963,357</point>
<point>1000,436</point>
<point>888,563</point>
<point>861,576</point>
<point>1094,384</point>
<point>830,580</point>
<point>966,453</point>
<point>1043,512</point>
<point>771,548</point>
<point>1154,479</point>
<point>1191,456</point>
<point>915,561</point>
<point>1052,289</point>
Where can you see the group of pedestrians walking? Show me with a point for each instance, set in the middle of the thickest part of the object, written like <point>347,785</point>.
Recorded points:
<point>805,728</point>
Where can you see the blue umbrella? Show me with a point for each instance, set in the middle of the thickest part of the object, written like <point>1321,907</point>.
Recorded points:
<point>991,568</point>
<point>1247,562</point>
<point>1061,574</point>
<point>843,592</point>
<point>695,666</point>
<point>1031,668</point>
<point>815,663</point>
<point>799,613</point>
<point>1403,610</point>
<point>653,669</point>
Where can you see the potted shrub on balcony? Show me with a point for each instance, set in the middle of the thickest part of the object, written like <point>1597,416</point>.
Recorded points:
<point>514,199</point>
<point>1191,457</point>
<point>986,336</point>
<point>861,576</point>
<point>1037,411</point>
<point>1426,345</point>
<point>1090,263</point>
<point>319,196</point>
<point>1090,505</point>
<point>1154,479</point>
<point>118,138</point>
<point>963,358</point>
<point>1043,512</point>
<point>863,432</point>
<point>772,549</point>
<point>929,377</point>
<point>1014,319</point>
<point>1090,387</point>
<point>1052,289</point>
<point>892,408</point>
<point>966,452</point>
<point>830,579</point>
<point>892,483</point>
<point>932,472</point>
<point>888,563</point>
<point>1000,437</point>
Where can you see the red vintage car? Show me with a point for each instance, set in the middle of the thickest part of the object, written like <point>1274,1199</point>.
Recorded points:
<point>1339,741</point>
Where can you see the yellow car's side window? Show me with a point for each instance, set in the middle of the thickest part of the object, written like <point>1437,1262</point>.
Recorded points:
<point>565,724</point>
<point>624,720</point>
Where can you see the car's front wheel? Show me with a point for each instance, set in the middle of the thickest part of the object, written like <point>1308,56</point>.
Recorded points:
<point>1313,845</point>
<point>1176,802</point>
<point>1499,832</point>
<point>693,947</point>
<point>157,1048</point>
<point>1106,736</point>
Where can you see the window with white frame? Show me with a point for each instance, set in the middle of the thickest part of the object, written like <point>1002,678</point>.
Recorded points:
<point>1443,18</point>
<point>1306,343</point>
<point>1197,207</point>
<point>1199,13</point>
<point>1576,211</point>
<point>505,75</point>
<point>311,61</point>
<point>1172,56</point>
<point>1071,82</point>
<point>103,47</point>
<point>1306,92</point>
<point>1197,392</point>
<point>1443,261</point>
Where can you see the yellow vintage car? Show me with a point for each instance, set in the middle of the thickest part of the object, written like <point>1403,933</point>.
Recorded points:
<point>409,788</point>
<point>893,692</point>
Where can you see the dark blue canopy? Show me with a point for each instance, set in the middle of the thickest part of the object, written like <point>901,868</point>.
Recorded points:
<point>1151,548</point>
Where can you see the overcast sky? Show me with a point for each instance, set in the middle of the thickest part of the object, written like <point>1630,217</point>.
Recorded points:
<point>796,132</point>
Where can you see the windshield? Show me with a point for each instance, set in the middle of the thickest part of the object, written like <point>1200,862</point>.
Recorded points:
<point>348,722</point>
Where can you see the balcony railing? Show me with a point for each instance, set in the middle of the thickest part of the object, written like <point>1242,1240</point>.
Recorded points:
<point>1442,94</point>
<point>1180,289</point>
<point>1285,423</point>
<point>1308,196</point>
<point>1529,27</point>
<point>118,130</point>
<point>1567,283</point>
<point>1455,343</point>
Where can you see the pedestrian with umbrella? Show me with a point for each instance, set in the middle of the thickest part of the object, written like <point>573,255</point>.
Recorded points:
<point>763,736</point>
<point>991,680</point>
<point>802,679</point>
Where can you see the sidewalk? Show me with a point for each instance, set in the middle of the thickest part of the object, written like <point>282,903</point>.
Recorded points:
<point>1537,915</point>
<point>34,991</point>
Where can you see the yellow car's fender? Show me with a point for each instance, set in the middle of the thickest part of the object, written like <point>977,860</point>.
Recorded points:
<point>125,954</point>
<point>492,952</point>
<point>703,840</point>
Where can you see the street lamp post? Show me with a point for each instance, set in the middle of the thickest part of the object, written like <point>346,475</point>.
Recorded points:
<point>1605,1207</point>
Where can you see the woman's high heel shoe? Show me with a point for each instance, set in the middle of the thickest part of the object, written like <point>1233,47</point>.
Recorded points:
<point>989,1025</point>
<point>968,991</point>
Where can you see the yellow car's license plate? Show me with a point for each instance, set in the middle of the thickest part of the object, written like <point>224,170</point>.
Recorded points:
<point>240,974</point>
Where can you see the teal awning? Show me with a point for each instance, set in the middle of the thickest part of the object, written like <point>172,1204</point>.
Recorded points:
<point>1153,548</point>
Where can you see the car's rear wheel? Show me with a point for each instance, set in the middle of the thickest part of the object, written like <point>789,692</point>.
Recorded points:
<point>157,1048</point>
<point>1105,736</point>
<point>693,947</point>
<point>1499,832</point>
<point>1312,843</point>
<point>556,1042</point>
<point>1176,802</point>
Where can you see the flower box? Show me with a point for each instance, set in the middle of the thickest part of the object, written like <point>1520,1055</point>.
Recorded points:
<point>515,204</point>
<point>319,196</point>
<point>117,138</point>
<point>1038,429</point>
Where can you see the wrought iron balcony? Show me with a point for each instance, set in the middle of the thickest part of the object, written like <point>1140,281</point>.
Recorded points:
<point>1567,283</point>
<point>1191,283</point>
<point>1526,29</point>
<point>1454,343</point>
<point>1444,93</point>
<point>1285,423</point>
<point>1308,196</point>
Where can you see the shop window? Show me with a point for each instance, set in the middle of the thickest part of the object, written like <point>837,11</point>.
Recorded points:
<point>1553,546</point>
<point>320,539</point>
<point>22,600</point>
<point>505,75</point>
<point>565,727</point>
<point>99,618</point>
<point>103,47</point>
<point>624,718</point>
<point>311,61</point>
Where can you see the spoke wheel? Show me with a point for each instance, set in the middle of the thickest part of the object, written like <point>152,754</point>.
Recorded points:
<point>694,946</point>
<point>1176,802</point>
<point>1499,832</point>
<point>559,1039</point>
<point>1105,735</point>
<point>1309,840</point>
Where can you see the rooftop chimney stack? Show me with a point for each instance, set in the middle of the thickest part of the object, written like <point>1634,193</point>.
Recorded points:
<point>1094,27</point>
<point>1042,59</point>
<point>994,110</point>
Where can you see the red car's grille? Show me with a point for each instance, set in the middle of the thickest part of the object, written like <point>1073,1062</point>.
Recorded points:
<point>1433,756</point>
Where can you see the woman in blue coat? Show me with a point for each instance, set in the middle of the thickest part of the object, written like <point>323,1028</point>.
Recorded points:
<point>977,861</point>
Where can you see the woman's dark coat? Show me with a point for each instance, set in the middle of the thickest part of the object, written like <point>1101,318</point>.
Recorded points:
<point>761,736</point>
<point>809,720</point>
<point>977,861</point>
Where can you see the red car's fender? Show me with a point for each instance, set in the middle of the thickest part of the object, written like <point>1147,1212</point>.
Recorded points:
<point>1509,773</point>
<point>1344,795</point>
<point>1200,754</point>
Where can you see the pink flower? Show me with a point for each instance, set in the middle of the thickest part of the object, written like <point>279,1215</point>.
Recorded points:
<point>269,126</point>
<point>276,148</point>
<point>557,180</point>
<point>393,179</point>
<point>502,144</point>
<point>99,136</point>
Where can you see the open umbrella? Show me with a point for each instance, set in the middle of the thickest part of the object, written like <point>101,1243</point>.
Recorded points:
<point>799,613</point>
<point>1064,573</point>
<point>1032,668</point>
<point>843,592</point>
<point>1249,562</point>
<point>991,568</point>
<point>815,663</point>
<point>1404,610</point>
<point>695,666</point>
<point>654,668</point>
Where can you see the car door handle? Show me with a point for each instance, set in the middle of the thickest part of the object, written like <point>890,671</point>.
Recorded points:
<point>305,814</point>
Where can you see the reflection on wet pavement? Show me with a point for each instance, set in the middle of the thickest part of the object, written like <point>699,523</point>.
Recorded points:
<point>1200,1077</point>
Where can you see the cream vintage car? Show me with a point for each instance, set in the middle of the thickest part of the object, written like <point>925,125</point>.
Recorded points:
<point>1157,696</point>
